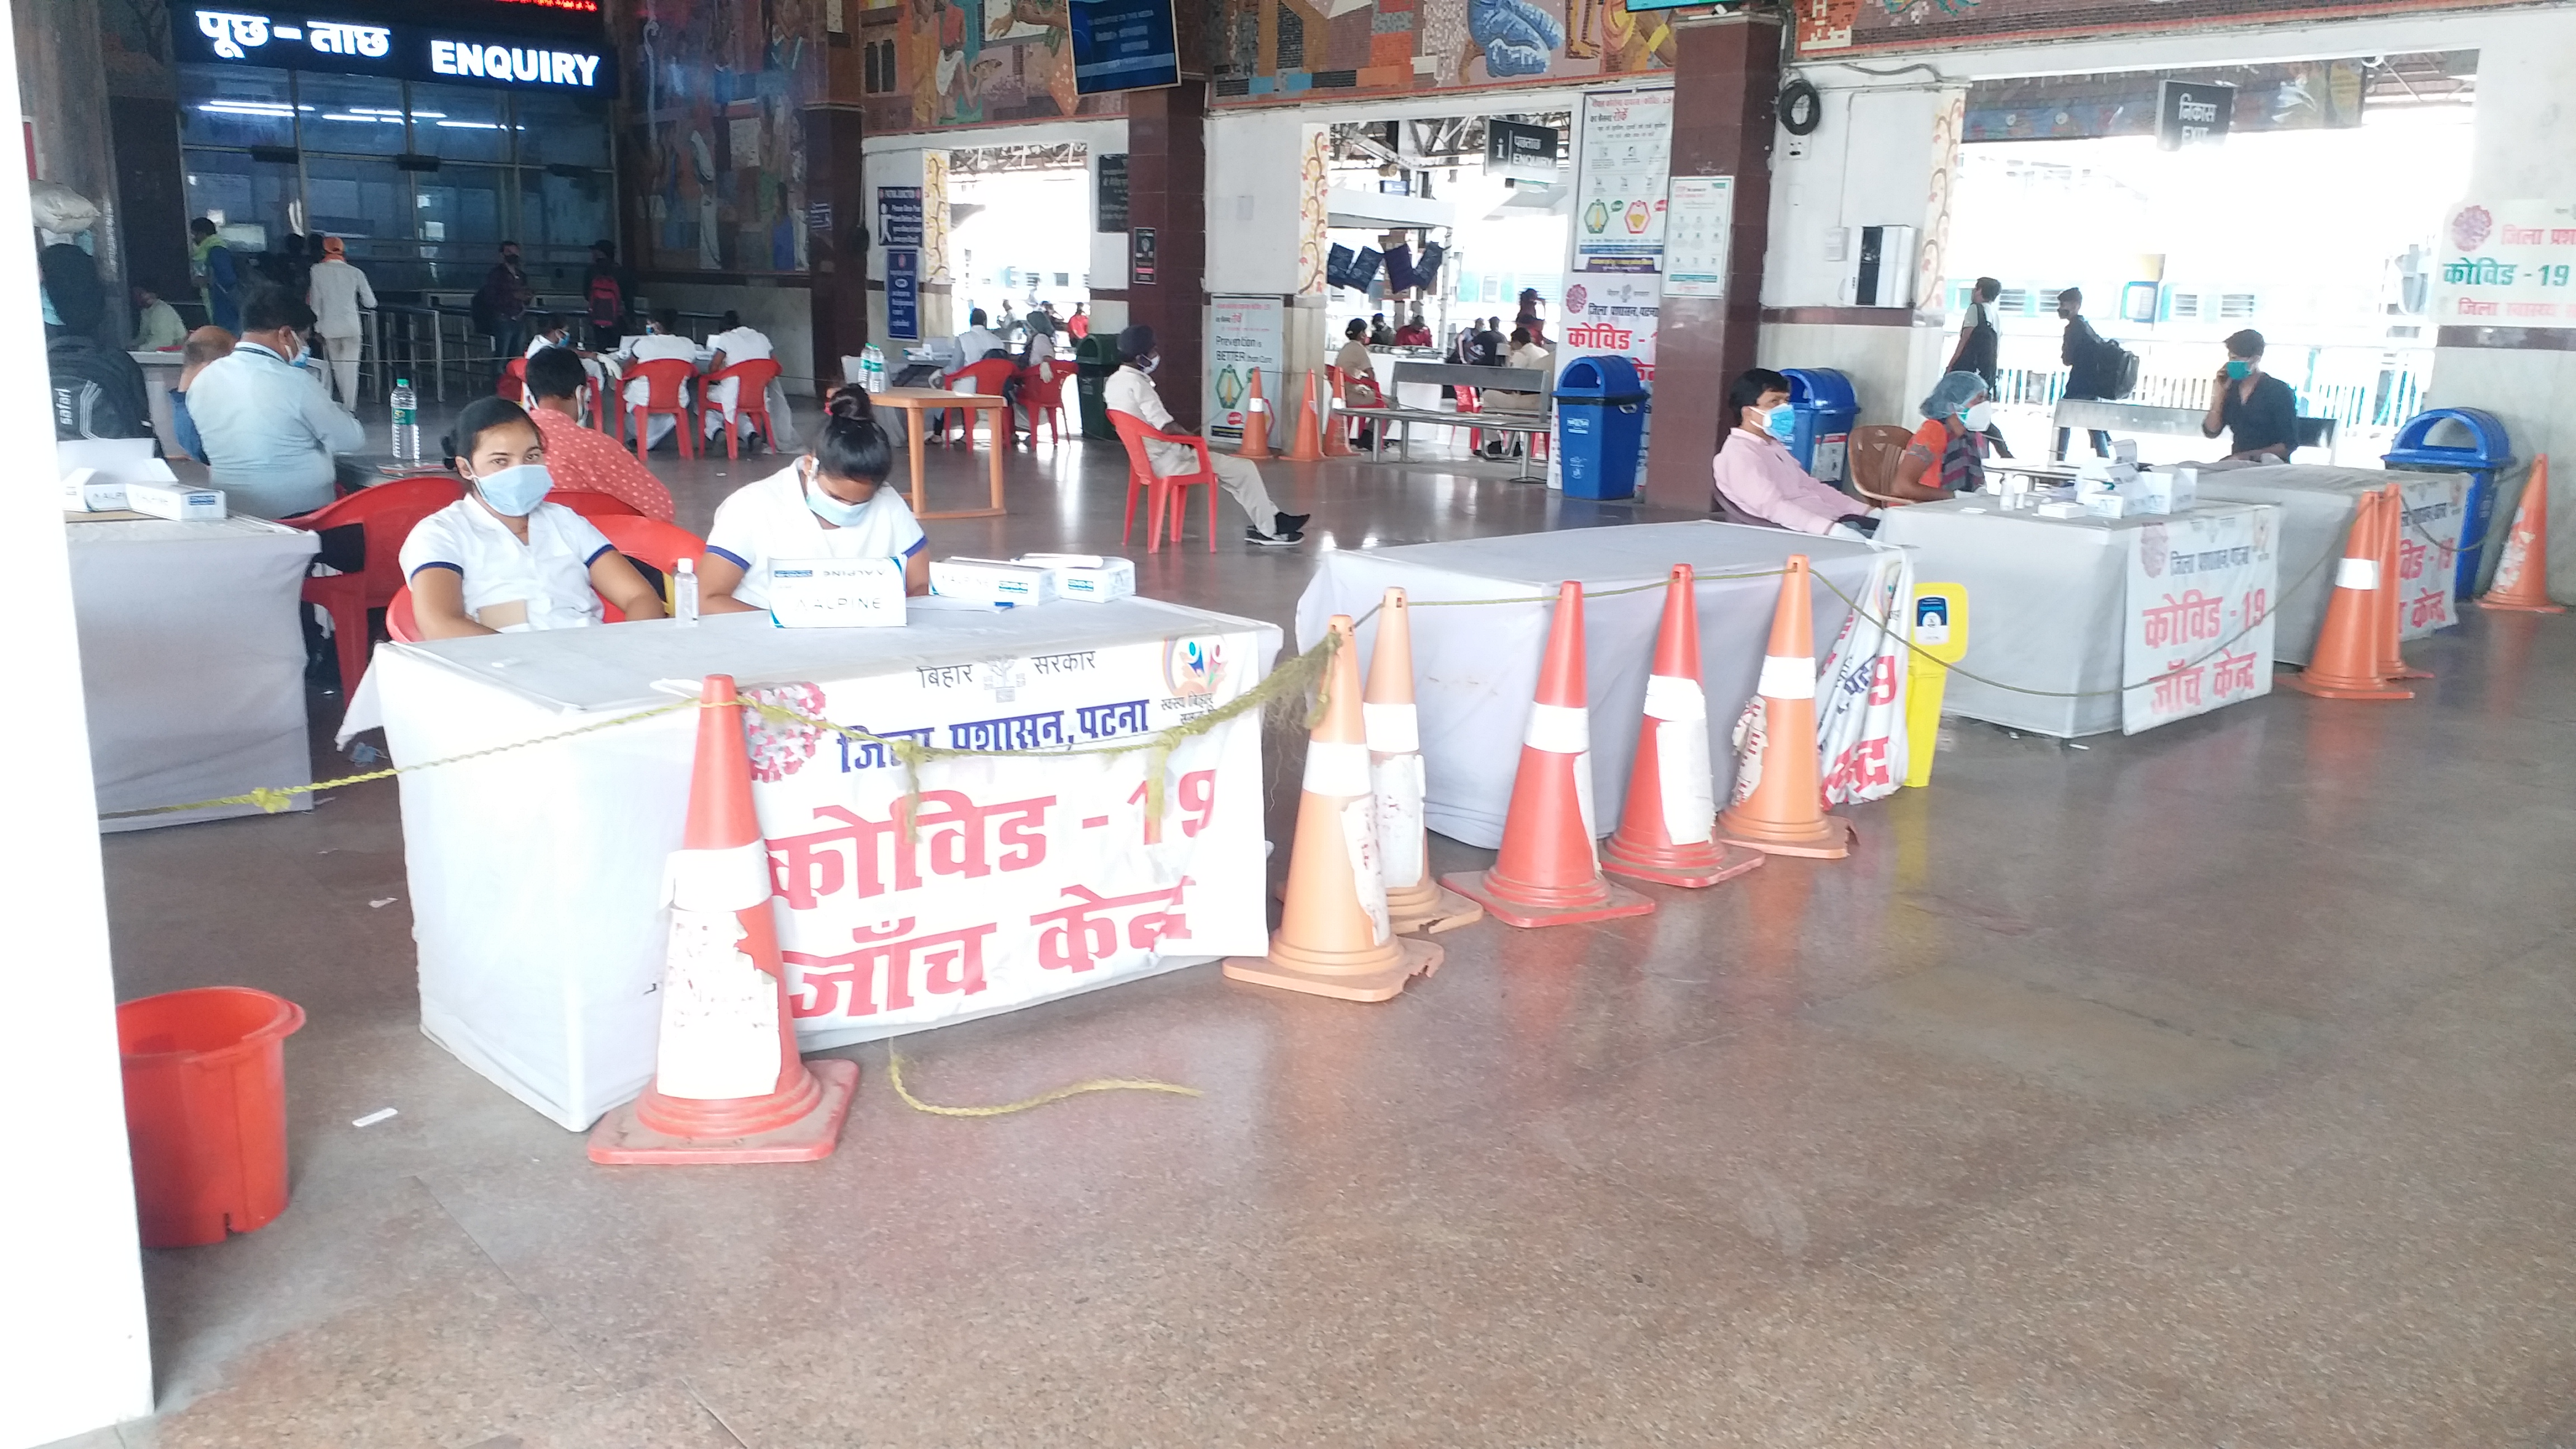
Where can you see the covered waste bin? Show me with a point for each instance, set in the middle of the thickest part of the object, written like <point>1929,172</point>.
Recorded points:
<point>1600,418</point>
<point>2474,443</point>
<point>1827,411</point>
<point>205,1110</point>
<point>1094,359</point>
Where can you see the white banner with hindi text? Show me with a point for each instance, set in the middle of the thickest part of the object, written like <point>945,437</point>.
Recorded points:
<point>2198,632</point>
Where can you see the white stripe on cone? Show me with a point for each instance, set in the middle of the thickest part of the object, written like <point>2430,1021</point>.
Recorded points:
<point>1673,698</point>
<point>1786,676</point>
<point>1399,782</point>
<point>719,1036</point>
<point>1359,840</point>
<point>1682,768</point>
<point>1393,729</point>
<point>730,878</point>
<point>1559,729</point>
<point>2359,573</point>
<point>1336,768</point>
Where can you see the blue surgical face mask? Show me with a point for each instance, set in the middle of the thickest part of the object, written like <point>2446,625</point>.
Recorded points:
<point>2238,367</point>
<point>515,491</point>
<point>1781,422</point>
<point>832,510</point>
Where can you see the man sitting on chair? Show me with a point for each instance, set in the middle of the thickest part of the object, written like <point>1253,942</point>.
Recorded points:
<point>1131,390</point>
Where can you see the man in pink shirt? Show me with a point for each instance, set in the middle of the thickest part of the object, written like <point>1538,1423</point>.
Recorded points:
<point>1755,474</point>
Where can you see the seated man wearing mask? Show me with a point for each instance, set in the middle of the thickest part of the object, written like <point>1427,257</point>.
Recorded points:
<point>1947,455</point>
<point>2257,411</point>
<point>1131,391</point>
<point>501,559</point>
<point>269,428</point>
<point>1755,473</point>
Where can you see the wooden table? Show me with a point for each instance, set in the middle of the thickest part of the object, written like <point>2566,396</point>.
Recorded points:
<point>914,401</point>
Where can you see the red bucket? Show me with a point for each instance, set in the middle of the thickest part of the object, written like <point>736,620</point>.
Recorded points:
<point>205,1110</point>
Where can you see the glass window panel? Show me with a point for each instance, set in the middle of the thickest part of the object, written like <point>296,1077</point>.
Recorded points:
<point>560,216</point>
<point>244,192</point>
<point>235,106</point>
<point>350,113</point>
<point>460,208</point>
<point>364,203</point>
<point>459,124</point>
<point>562,130</point>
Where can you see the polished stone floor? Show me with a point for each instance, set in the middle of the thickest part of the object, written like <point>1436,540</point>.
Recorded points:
<point>2212,1087</point>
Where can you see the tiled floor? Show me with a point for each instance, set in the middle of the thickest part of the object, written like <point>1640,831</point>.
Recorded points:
<point>2211,1087</point>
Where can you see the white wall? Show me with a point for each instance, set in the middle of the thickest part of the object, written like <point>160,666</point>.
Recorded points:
<point>73,1350</point>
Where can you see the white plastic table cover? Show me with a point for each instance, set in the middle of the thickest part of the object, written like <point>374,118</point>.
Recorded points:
<point>192,662</point>
<point>1475,668</point>
<point>536,873</point>
<point>2316,506</point>
<point>2047,607</point>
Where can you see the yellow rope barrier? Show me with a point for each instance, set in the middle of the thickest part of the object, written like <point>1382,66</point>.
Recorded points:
<point>894,1079</point>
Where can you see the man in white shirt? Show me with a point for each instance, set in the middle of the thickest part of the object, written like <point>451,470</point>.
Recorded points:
<point>270,431</point>
<point>1130,390</point>
<point>338,289</point>
<point>976,343</point>
<point>661,339</point>
<point>733,343</point>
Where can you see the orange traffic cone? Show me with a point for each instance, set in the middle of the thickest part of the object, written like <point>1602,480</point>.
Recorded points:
<point>1414,901</point>
<point>1334,937</point>
<point>2346,662</point>
<point>1337,443</point>
<point>1307,445</point>
<point>1256,422</point>
<point>728,1085</point>
<point>1667,834</point>
<point>2522,575</point>
<point>2392,597</point>
<point>1779,800</point>
<point>1548,873</point>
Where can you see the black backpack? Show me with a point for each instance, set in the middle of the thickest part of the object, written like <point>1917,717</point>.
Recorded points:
<point>98,391</point>
<point>2117,368</point>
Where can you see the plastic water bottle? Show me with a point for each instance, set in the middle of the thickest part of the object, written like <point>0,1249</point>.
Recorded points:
<point>872,372</point>
<point>406,422</point>
<point>684,593</point>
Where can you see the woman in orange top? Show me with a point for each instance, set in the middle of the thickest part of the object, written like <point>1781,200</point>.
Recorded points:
<point>581,459</point>
<point>1947,455</point>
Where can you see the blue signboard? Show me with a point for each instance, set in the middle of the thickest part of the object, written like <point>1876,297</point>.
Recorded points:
<point>1123,45</point>
<point>903,294</point>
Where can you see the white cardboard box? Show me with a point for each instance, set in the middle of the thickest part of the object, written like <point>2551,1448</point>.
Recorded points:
<point>1093,578</point>
<point>836,593</point>
<point>990,581</point>
<point>176,501</point>
<point>85,492</point>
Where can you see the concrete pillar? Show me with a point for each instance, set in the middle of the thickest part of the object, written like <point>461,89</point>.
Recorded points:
<point>836,180</point>
<point>1726,76</point>
<point>1167,193</point>
<point>62,88</point>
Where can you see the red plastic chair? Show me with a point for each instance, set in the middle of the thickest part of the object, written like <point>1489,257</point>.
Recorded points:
<point>593,506</point>
<point>513,381</point>
<point>1042,394</point>
<point>1345,401</point>
<point>751,400</point>
<point>986,379</point>
<point>401,624</point>
<point>388,511</point>
<point>1158,489</point>
<point>663,378</point>
<point>650,541</point>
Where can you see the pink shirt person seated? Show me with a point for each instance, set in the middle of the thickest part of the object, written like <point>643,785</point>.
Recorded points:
<point>1756,474</point>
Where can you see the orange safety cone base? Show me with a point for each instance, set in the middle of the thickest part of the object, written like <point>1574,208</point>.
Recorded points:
<point>2306,683</point>
<point>1616,901</point>
<point>2505,608</point>
<point>1689,866</point>
<point>1283,968</point>
<point>620,1140</point>
<point>2409,671</point>
<point>1431,910</point>
<point>1832,842</point>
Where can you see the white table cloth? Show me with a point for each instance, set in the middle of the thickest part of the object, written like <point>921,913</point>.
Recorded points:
<point>536,873</point>
<point>192,662</point>
<point>2048,606</point>
<point>2316,506</point>
<point>1476,668</point>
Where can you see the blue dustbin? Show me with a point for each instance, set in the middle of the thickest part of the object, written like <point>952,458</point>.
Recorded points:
<point>1600,419</point>
<point>1827,412</point>
<point>2486,454</point>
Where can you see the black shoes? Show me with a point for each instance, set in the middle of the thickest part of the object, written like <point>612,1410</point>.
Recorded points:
<point>1258,539</point>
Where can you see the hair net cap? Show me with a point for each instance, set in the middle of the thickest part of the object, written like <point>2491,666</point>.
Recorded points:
<point>1951,394</point>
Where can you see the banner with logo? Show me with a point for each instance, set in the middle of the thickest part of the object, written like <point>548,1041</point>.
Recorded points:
<point>2507,264</point>
<point>1017,878</point>
<point>1860,700</point>
<point>1619,181</point>
<point>2199,627</point>
<point>1244,336</point>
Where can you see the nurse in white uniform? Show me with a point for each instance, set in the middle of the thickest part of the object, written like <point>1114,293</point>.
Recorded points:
<point>829,503</point>
<point>502,560</point>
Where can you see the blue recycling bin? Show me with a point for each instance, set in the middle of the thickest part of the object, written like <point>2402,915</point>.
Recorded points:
<point>1600,420</point>
<point>1827,412</point>
<point>2484,455</point>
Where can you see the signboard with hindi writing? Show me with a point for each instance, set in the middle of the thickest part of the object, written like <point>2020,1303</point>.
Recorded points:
<point>2198,626</point>
<point>1244,338</point>
<point>2507,264</point>
<point>429,49</point>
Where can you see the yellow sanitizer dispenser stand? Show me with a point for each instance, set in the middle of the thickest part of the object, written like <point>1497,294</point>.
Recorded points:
<point>1940,635</point>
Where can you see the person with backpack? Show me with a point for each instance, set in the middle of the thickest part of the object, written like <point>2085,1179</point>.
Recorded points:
<point>217,275</point>
<point>501,303</point>
<point>2089,365</point>
<point>1980,343</point>
<point>611,295</point>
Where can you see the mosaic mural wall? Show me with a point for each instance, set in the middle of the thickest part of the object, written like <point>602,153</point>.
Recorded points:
<point>1304,49</point>
<point>937,63</point>
<point>714,91</point>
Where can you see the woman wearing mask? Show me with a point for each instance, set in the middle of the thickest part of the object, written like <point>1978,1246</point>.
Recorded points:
<point>1757,476</point>
<point>829,503</point>
<point>1947,455</point>
<point>501,560</point>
